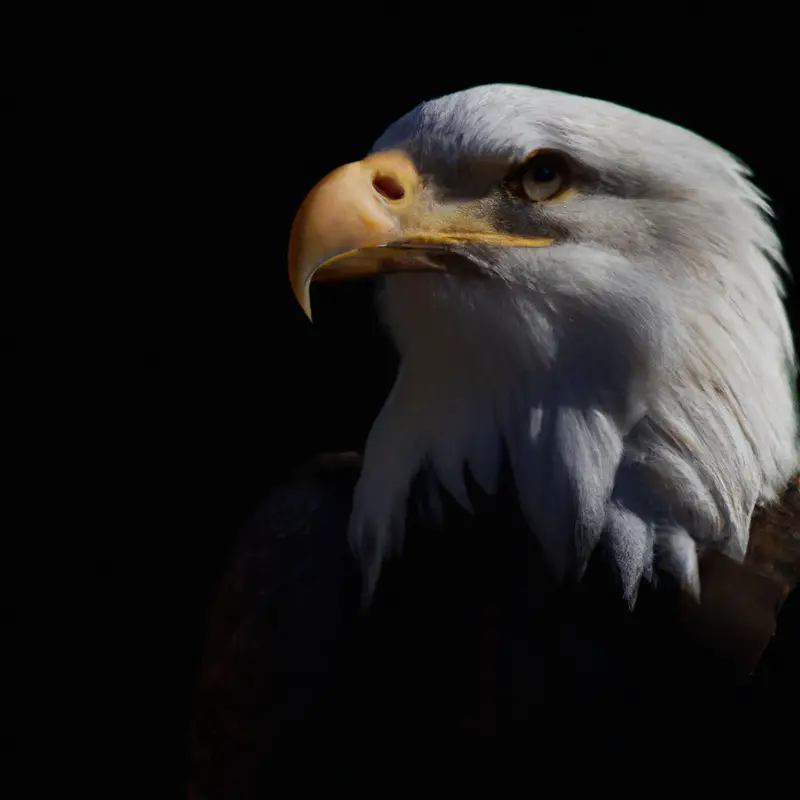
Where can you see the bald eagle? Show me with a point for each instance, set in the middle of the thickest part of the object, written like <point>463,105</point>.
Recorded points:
<point>581,490</point>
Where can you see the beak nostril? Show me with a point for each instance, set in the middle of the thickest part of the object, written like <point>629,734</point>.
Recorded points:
<point>388,187</point>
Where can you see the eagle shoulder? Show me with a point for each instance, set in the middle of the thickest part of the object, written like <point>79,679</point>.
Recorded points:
<point>287,599</point>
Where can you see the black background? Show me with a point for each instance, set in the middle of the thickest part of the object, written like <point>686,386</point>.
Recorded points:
<point>165,376</point>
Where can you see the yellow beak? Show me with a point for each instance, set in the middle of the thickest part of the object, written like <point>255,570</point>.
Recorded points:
<point>376,216</point>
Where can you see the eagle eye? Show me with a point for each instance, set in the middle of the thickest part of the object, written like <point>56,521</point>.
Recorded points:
<point>545,175</point>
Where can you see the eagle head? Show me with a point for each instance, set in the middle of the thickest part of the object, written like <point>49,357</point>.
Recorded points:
<point>586,291</point>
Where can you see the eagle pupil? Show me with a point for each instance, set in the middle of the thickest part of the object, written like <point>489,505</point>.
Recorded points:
<point>543,173</point>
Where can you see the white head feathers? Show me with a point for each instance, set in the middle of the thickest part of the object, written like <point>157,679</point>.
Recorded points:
<point>639,373</point>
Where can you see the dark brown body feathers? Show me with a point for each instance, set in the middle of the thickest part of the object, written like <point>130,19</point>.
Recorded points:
<point>467,642</point>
